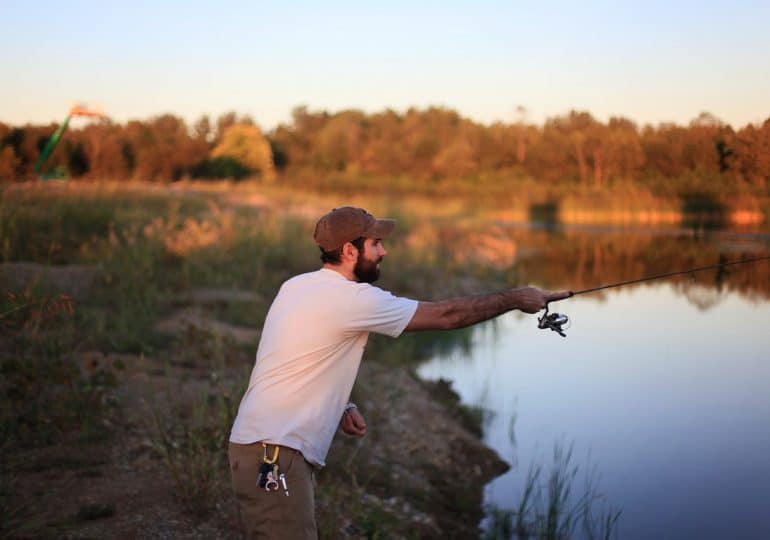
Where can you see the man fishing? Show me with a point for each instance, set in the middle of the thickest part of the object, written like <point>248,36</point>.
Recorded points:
<point>307,361</point>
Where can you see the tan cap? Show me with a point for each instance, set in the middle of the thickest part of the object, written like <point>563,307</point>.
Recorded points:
<point>347,223</point>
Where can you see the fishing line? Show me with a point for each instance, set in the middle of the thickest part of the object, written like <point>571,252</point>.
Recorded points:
<point>556,321</point>
<point>669,274</point>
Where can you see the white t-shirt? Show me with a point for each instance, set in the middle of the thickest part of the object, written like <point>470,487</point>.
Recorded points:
<point>308,359</point>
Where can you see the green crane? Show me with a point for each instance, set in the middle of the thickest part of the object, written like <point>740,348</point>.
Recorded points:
<point>76,110</point>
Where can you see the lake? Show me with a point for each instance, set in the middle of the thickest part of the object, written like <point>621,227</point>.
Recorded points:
<point>660,389</point>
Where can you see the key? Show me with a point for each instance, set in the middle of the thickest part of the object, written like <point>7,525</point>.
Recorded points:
<point>272,483</point>
<point>283,482</point>
<point>275,471</point>
<point>264,469</point>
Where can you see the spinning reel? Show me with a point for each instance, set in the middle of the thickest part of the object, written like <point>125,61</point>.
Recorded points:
<point>553,321</point>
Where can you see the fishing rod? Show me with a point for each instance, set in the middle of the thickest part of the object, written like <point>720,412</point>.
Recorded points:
<point>556,321</point>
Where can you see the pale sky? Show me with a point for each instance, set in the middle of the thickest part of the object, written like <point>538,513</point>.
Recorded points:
<point>650,61</point>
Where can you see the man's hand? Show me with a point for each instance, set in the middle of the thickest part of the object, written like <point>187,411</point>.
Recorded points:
<point>353,423</point>
<point>531,300</point>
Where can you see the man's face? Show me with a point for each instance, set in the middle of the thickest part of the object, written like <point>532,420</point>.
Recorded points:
<point>367,269</point>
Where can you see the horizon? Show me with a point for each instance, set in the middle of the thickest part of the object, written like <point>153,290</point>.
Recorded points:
<point>652,64</point>
<point>78,122</point>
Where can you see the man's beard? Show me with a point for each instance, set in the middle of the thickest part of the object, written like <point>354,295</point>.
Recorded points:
<point>366,271</point>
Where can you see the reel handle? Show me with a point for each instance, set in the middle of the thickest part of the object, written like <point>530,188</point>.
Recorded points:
<point>553,321</point>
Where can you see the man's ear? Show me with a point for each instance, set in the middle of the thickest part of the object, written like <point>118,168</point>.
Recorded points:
<point>349,251</point>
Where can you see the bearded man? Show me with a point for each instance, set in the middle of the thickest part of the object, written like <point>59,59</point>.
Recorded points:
<point>307,361</point>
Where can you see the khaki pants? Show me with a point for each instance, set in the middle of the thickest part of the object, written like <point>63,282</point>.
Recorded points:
<point>272,514</point>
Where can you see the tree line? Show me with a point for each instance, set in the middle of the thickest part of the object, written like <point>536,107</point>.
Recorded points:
<point>423,145</point>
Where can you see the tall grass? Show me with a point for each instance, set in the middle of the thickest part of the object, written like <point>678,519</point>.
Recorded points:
<point>550,509</point>
<point>47,392</point>
<point>191,444</point>
<point>190,434</point>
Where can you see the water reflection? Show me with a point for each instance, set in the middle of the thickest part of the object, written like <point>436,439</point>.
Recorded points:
<point>665,385</point>
<point>584,257</point>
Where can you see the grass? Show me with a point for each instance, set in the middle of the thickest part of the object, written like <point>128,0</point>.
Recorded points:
<point>549,509</point>
<point>189,434</point>
<point>46,392</point>
<point>190,444</point>
<point>12,512</point>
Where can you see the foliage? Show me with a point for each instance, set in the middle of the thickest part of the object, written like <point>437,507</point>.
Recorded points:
<point>320,148</point>
<point>220,167</point>
<point>246,144</point>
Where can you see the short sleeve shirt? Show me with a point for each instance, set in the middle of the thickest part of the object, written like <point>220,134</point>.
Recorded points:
<point>308,358</point>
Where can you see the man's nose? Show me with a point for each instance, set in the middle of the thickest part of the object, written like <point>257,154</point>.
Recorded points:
<point>382,250</point>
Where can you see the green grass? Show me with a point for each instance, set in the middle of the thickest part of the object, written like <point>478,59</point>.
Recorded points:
<point>190,443</point>
<point>46,393</point>
<point>550,509</point>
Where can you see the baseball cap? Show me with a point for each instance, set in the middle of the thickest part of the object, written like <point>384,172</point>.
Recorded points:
<point>347,223</point>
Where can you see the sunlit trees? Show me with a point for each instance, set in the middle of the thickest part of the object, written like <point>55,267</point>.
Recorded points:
<point>421,145</point>
<point>663,147</point>
<point>338,144</point>
<point>153,148</point>
<point>752,154</point>
<point>10,163</point>
<point>621,151</point>
<point>700,151</point>
<point>106,146</point>
<point>246,144</point>
<point>202,130</point>
<point>386,150</point>
<point>459,156</point>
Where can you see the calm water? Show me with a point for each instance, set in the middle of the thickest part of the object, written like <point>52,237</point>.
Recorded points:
<point>663,389</point>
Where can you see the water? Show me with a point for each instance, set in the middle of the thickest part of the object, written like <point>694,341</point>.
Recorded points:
<point>663,389</point>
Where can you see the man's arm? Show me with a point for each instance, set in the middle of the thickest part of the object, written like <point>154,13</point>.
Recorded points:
<point>468,310</point>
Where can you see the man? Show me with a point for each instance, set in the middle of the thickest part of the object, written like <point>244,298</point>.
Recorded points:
<point>308,358</point>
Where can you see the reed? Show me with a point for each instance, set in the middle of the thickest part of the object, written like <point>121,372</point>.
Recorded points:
<point>550,509</point>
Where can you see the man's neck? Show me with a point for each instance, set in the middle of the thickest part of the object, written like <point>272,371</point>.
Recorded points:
<point>347,273</point>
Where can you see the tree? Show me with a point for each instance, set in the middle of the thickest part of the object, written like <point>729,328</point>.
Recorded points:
<point>297,140</point>
<point>338,145</point>
<point>566,146</point>
<point>459,156</point>
<point>162,148</point>
<point>664,149</point>
<point>385,151</point>
<point>202,129</point>
<point>752,154</point>
<point>621,151</point>
<point>10,163</point>
<point>247,144</point>
<point>105,144</point>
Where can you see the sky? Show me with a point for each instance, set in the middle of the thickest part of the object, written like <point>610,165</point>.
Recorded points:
<point>650,61</point>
